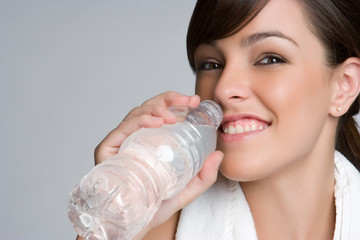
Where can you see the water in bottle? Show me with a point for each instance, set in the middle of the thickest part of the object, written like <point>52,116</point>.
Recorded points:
<point>118,197</point>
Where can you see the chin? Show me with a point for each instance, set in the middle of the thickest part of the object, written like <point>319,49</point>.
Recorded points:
<point>243,170</point>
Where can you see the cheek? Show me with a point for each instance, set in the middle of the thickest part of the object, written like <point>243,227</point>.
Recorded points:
<point>296,93</point>
<point>300,104</point>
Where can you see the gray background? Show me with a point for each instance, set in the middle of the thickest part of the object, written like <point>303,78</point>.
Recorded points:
<point>70,70</point>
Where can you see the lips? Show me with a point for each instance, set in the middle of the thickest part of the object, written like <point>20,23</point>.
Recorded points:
<point>243,124</point>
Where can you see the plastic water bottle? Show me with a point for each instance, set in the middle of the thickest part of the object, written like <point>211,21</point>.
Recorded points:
<point>118,197</point>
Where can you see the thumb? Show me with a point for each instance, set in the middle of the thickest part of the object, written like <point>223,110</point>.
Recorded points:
<point>202,181</point>
<point>199,184</point>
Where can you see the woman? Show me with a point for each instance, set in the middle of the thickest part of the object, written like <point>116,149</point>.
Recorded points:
<point>287,75</point>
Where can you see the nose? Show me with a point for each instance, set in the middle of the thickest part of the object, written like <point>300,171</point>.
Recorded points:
<point>233,86</point>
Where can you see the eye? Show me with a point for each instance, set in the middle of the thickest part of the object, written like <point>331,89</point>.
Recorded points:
<point>208,65</point>
<point>270,58</point>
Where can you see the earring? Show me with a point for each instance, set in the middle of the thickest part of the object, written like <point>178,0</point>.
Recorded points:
<point>338,109</point>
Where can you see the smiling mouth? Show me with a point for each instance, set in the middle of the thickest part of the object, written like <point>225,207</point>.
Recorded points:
<point>243,129</point>
<point>244,126</point>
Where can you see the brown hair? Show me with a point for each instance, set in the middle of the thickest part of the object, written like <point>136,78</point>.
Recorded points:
<point>335,22</point>
<point>212,20</point>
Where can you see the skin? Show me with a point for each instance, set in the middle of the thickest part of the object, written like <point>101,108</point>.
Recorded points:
<point>153,113</point>
<point>281,80</point>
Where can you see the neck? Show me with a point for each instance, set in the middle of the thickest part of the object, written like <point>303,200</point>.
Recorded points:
<point>296,203</point>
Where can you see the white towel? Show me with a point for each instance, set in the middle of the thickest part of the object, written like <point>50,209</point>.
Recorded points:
<point>222,213</point>
<point>347,199</point>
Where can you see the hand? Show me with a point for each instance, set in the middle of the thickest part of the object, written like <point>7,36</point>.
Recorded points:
<point>154,113</point>
<point>151,114</point>
<point>199,184</point>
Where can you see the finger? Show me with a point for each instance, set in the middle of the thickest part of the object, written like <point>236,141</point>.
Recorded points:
<point>153,113</point>
<point>154,110</point>
<point>129,126</point>
<point>194,101</point>
<point>111,143</point>
<point>204,179</point>
<point>170,98</point>
<point>159,106</point>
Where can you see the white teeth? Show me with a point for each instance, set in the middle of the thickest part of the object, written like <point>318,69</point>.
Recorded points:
<point>232,130</point>
<point>243,129</point>
<point>239,129</point>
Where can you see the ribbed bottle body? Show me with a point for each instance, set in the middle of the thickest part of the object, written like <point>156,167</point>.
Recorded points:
<point>118,197</point>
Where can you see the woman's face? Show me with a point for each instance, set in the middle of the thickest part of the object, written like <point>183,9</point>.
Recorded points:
<point>275,89</point>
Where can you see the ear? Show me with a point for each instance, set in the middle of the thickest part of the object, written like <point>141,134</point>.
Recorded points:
<point>347,85</point>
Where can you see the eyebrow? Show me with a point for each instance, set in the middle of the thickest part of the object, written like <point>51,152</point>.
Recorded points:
<point>256,37</point>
